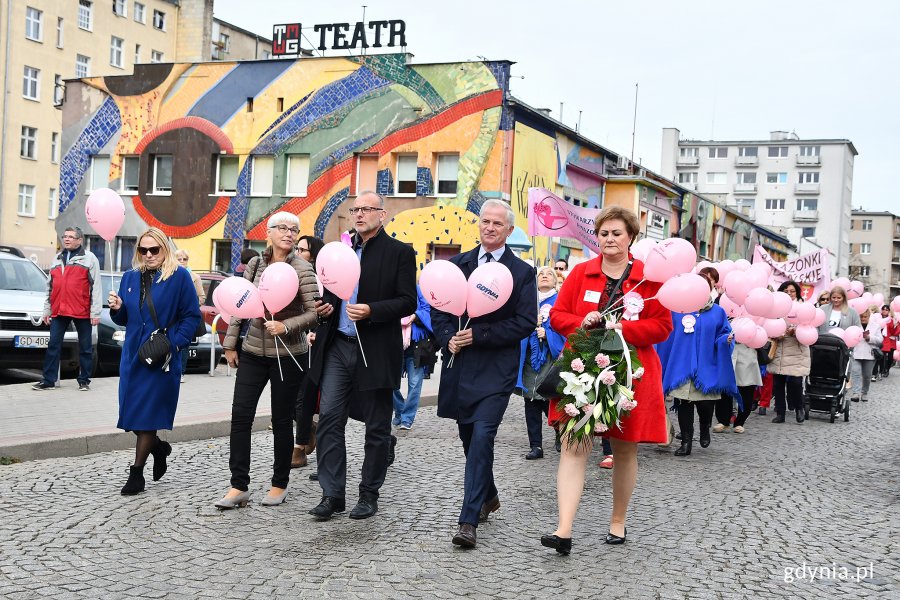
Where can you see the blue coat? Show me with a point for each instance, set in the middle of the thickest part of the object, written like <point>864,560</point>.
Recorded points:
<point>541,350</point>
<point>478,385</point>
<point>148,397</point>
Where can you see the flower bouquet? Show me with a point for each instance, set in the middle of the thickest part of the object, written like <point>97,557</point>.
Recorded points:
<point>597,370</point>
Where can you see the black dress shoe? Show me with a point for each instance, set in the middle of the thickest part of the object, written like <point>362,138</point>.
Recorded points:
<point>615,540</point>
<point>561,545</point>
<point>535,453</point>
<point>365,508</point>
<point>704,437</point>
<point>327,508</point>
<point>465,537</point>
<point>678,436</point>
<point>492,505</point>
<point>799,413</point>
<point>684,449</point>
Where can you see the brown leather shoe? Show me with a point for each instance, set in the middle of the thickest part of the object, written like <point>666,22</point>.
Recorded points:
<point>298,458</point>
<point>311,446</point>
<point>492,505</point>
<point>465,537</point>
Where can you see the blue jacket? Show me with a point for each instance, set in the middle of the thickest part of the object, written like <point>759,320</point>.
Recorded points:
<point>541,350</point>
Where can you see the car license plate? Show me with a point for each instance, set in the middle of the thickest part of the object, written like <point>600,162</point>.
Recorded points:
<point>192,353</point>
<point>31,341</point>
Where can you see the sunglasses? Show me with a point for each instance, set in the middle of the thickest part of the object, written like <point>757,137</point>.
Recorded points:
<point>153,250</point>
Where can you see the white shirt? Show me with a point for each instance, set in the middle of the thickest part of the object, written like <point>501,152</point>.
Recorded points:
<point>495,255</point>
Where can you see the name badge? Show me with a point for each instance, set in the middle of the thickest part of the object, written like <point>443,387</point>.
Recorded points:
<point>688,322</point>
<point>591,296</point>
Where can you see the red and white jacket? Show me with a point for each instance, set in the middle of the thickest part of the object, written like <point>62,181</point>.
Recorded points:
<point>74,289</point>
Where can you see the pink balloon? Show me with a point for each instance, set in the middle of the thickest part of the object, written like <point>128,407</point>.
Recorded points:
<point>760,337</point>
<point>238,297</point>
<point>105,212</point>
<point>742,264</point>
<point>806,313</point>
<point>278,286</point>
<point>724,268</point>
<point>775,328</point>
<point>759,302</point>
<point>737,286</point>
<point>684,293</point>
<point>489,287</point>
<point>819,318</point>
<point>731,308</point>
<point>781,305</point>
<point>338,268</point>
<point>319,286</point>
<point>641,248</point>
<point>744,331</point>
<point>226,317</point>
<point>856,289</point>
<point>841,282</point>
<point>895,304</point>
<point>837,331</point>
<point>702,265</point>
<point>853,335</point>
<point>878,299</point>
<point>758,276</point>
<point>764,267</point>
<point>444,286</point>
<point>806,335</point>
<point>860,305</point>
<point>670,257</point>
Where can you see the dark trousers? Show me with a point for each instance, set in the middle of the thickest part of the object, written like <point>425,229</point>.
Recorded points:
<point>478,445</point>
<point>887,361</point>
<point>705,409</point>
<point>535,411</point>
<point>58,327</point>
<point>793,386</point>
<point>306,406</point>
<point>725,405</point>
<point>338,392</point>
<point>253,373</point>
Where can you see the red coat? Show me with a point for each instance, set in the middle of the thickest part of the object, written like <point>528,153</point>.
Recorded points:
<point>891,331</point>
<point>647,422</point>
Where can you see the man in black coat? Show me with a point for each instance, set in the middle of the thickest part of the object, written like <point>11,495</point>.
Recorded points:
<point>475,390</point>
<point>385,294</point>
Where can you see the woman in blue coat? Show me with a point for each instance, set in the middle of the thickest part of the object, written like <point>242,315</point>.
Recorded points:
<point>148,396</point>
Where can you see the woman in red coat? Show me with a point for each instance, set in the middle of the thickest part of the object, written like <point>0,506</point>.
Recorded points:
<point>589,288</point>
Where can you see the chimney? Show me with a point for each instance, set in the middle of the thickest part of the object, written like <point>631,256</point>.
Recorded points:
<point>777,136</point>
<point>194,34</point>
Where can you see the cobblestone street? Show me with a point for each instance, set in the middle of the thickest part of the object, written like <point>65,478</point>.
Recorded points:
<point>739,519</point>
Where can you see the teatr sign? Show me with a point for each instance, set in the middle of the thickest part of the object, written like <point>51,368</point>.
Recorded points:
<point>374,34</point>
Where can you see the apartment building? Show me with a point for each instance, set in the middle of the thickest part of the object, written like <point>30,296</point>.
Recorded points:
<point>801,187</point>
<point>875,251</point>
<point>48,42</point>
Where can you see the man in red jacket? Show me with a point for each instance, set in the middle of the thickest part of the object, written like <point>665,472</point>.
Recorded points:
<point>73,296</point>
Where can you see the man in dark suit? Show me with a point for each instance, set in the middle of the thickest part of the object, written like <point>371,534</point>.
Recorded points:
<point>386,293</point>
<point>475,390</point>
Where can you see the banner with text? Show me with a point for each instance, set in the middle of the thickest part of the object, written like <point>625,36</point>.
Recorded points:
<point>551,216</point>
<point>811,270</point>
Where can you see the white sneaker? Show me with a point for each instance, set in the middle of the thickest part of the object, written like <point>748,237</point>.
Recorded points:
<point>738,429</point>
<point>718,428</point>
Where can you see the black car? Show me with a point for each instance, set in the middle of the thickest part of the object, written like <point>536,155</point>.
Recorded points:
<point>111,337</point>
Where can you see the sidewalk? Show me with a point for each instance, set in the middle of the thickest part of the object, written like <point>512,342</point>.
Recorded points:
<point>65,422</point>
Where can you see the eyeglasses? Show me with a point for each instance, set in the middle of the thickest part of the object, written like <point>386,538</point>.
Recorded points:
<point>182,259</point>
<point>364,209</point>
<point>559,268</point>
<point>282,229</point>
<point>70,237</point>
<point>153,250</point>
<point>302,249</point>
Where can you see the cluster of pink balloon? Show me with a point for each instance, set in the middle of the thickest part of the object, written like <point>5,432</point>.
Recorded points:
<point>446,288</point>
<point>670,262</point>
<point>238,297</point>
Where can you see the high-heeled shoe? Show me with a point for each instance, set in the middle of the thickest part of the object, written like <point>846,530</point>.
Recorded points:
<point>561,545</point>
<point>275,500</point>
<point>160,451</point>
<point>236,501</point>
<point>615,540</point>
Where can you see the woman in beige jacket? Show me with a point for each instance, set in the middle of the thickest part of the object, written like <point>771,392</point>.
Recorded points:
<point>790,365</point>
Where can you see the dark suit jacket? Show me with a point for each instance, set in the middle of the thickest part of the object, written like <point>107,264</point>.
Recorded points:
<point>387,283</point>
<point>478,385</point>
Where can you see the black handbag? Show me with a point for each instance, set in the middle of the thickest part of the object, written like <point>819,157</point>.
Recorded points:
<point>156,352</point>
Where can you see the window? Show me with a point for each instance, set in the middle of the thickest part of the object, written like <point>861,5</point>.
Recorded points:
<point>131,167</point>
<point>156,56</point>
<point>34,22</point>
<point>865,248</point>
<point>687,177</point>
<point>139,15</point>
<point>59,32</point>
<point>28,142</point>
<point>808,232</point>
<point>689,152</point>
<point>54,147</point>
<point>227,174</point>
<point>776,177</point>
<point>30,83</point>
<point>120,8</point>
<point>745,203</point>
<point>406,174</point>
<point>447,173</point>
<point>718,152</point>
<point>366,172</point>
<point>85,14</point>
<point>808,177</point>
<point>221,47</point>
<point>717,178</point>
<point>810,150</point>
<point>807,204</point>
<point>162,174</point>
<point>262,175</point>
<point>59,90</point>
<point>82,66</point>
<point>26,200</point>
<point>99,172</point>
<point>774,203</point>
<point>778,151</point>
<point>53,202</point>
<point>745,177</point>
<point>748,151</point>
<point>297,174</point>
<point>159,20</point>
<point>867,224</point>
<point>116,46</point>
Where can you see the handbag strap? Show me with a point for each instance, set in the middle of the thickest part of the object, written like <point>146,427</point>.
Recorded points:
<point>147,284</point>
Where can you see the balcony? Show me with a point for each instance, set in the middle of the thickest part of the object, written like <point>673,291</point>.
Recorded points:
<point>806,215</point>
<point>808,161</point>
<point>806,188</point>
<point>746,211</point>
<point>688,161</point>
<point>689,186</point>
<point>745,188</point>
<point>746,161</point>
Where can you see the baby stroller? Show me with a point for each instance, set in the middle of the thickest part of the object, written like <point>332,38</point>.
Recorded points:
<point>828,377</point>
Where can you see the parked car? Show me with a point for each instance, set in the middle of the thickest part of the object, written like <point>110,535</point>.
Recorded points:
<point>23,335</point>
<point>111,338</point>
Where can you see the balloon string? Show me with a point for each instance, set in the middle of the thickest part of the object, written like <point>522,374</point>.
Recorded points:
<point>359,340</point>
<point>622,299</point>
<point>283,343</point>
<point>468,320</point>
<point>109,254</point>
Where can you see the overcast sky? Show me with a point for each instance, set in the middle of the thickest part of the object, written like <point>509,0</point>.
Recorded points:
<point>726,70</point>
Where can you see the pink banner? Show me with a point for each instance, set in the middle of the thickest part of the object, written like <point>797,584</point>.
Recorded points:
<point>551,216</point>
<point>811,271</point>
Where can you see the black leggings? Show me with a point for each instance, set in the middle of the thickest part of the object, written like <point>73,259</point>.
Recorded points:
<point>886,363</point>
<point>705,409</point>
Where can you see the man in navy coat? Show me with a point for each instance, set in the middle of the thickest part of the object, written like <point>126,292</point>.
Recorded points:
<point>475,390</point>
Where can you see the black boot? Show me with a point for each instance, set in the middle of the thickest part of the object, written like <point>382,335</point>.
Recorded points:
<point>160,451</point>
<point>135,483</point>
<point>799,413</point>
<point>779,418</point>
<point>685,448</point>
<point>704,435</point>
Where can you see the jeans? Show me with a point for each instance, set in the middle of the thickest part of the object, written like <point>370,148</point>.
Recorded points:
<point>862,377</point>
<point>405,412</point>
<point>58,327</point>
<point>791,384</point>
